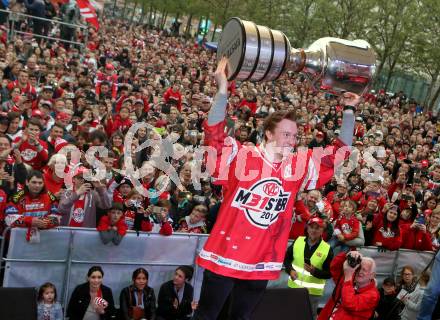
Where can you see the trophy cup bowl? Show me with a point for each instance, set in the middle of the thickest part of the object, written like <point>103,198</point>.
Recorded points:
<point>257,53</point>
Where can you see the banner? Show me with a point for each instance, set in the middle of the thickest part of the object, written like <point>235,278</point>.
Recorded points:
<point>88,12</point>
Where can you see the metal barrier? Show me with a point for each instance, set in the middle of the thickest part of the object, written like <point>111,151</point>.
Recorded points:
<point>12,31</point>
<point>64,255</point>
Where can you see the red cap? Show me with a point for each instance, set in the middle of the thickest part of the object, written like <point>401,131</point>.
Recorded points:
<point>160,123</point>
<point>319,134</point>
<point>424,163</point>
<point>16,99</point>
<point>316,220</point>
<point>59,144</point>
<point>62,116</point>
<point>37,113</point>
<point>109,66</point>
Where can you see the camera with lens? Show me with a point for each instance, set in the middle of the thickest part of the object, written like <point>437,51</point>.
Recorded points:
<point>135,205</point>
<point>353,261</point>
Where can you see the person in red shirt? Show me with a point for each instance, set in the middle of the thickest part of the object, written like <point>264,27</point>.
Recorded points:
<point>119,122</point>
<point>355,296</point>
<point>347,225</point>
<point>336,197</point>
<point>415,236</point>
<point>52,181</point>
<point>112,227</point>
<point>33,207</point>
<point>386,230</point>
<point>194,222</point>
<point>23,83</point>
<point>108,76</point>
<point>247,244</point>
<point>250,102</point>
<point>173,93</point>
<point>33,150</point>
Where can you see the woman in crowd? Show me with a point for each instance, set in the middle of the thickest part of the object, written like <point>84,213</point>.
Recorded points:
<point>91,300</point>
<point>410,293</point>
<point>176,296</point>
<point>386,229</point>
<point>138,301</point>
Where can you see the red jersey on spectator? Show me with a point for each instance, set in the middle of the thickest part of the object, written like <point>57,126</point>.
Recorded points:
<point>105,224</point>
<point>36,159</point>
<point>349,226</point>
<point>415,239</point>
<point>252,105</point>
<point>117,124</point>
<point>335,203</point>
<point>129,218</point>
<point>301,216</point>
<point>389,239</point>
<point>29,89</point>
<point>174,95</point>
<point>111,79</point>
<point>23,208</point>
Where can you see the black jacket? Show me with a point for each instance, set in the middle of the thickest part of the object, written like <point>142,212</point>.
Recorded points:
<point>80,300</point>
<point>149,302</point>
<point>166,298</point>
<point>389,307</point>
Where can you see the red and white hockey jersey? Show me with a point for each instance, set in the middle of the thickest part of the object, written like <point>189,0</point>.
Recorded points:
<point>250,236</point>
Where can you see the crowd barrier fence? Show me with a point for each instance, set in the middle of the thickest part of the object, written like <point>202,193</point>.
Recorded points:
<point>64,255</point>
<point>12,30</point>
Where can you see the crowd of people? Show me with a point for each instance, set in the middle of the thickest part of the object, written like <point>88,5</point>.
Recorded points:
<point>57,98</point>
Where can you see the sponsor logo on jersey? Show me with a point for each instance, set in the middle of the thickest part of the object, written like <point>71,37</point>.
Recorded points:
<point>387,233</point>
<point>78,215</point>
<point>28,154</point>
<point>11,210</point>
<point>263,202</point>
<point>259,266</point>
<point>346,228</point>
<point>33,206</point>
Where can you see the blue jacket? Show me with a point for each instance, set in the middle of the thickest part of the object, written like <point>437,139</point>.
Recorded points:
<point>56,311</point>
<point>36,8</point>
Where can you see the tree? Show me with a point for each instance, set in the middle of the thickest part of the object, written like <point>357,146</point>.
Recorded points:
<point>390,31</point>
<point>425,56</point>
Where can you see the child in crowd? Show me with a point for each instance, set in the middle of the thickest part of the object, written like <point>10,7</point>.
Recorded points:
<point>159,218</point>
<point>48,308</point>
<point>346,226</point>
<point>112,227</point>
<point>135,215</point>
<point>195,222</point>
<point>389,306</point>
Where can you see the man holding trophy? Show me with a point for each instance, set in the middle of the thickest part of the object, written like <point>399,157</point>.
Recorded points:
<point>260,183</point>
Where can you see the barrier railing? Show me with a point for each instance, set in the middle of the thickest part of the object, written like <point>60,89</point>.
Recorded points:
<point>64,255</point>
<point>12,31</point>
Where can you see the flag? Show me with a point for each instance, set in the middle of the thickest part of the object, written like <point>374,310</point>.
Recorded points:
<point>88,12</point>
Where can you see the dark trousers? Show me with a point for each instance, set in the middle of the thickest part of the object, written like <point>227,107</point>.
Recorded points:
<point>244,296</point>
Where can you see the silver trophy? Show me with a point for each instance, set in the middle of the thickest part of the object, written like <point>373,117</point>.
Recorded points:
<point>257,53</point>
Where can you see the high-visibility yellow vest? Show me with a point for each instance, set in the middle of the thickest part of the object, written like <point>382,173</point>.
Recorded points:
<point>314,285</point>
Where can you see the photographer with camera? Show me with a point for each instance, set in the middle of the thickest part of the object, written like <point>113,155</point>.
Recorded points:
<point>355,295</point>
